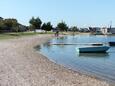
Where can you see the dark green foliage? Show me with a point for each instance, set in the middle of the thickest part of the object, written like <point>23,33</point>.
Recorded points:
<point>62,26</point>
<point>1,24</point>
<point>35,23</point>
<point>43,26</point>
<point>47,26</point>
<point>10,25</point>
<point>74,29</point>
<point>10,22</point>
<point>1,18</point>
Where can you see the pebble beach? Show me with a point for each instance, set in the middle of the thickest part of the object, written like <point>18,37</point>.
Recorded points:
<point>22,65</point>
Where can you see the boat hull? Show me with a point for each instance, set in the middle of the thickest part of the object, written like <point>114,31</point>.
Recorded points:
<point>112,43</point>
<point>96,49</point>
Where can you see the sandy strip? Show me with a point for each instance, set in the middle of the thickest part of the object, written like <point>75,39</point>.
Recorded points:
<point>21,65</point>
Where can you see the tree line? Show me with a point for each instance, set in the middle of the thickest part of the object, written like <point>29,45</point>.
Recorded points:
<point>12,25</point>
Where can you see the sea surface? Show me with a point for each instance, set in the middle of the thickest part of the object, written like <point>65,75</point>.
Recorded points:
<point>100,65</point>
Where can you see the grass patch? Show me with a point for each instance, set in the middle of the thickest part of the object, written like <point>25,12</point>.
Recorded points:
<point>4,36</point>
<point>20,34</point>
<point>15,35</point>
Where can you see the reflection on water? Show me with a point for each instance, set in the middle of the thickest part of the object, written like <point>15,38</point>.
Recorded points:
<point>93,55</point>
<point>101,65</point>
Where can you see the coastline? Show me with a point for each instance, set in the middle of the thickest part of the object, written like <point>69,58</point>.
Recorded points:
<point>22,65</point>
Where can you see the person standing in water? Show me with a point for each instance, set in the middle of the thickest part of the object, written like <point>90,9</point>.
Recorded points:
<point>57,32</point>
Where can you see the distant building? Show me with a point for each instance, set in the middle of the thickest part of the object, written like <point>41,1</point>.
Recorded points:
<point>95,29</point>
<point>99,30</point>
<point>83,29</point>
<point>112,30</point>
<point>39,30</point>
<point>55,29</point>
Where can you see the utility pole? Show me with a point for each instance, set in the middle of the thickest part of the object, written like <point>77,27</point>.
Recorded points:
<point>110,24</point>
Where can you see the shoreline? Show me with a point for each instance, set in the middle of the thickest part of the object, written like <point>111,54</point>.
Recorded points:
<point>22,65</point>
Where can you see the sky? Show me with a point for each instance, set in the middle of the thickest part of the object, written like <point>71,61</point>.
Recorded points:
<point>81,13</point>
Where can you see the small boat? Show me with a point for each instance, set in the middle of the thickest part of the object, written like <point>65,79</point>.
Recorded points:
<point>97,44</point>
<point>93,49</point>
<point>112,43</point>
<point>94,44</point>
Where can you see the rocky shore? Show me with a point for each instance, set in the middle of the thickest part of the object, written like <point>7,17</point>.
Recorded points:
<point>22,65</point>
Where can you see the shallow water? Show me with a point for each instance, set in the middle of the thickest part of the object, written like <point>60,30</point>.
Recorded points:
<point>101,65</point>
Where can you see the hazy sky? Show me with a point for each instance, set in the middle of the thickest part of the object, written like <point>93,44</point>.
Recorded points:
<point>74,12</point>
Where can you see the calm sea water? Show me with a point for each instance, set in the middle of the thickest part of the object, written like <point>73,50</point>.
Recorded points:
<point>101,65</point>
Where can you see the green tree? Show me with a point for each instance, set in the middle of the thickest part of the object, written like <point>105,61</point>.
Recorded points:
<point>1,24</point>
<point>43,26</point>
<point>74,28</point>
<point>1,18</point>
<point>62,26</point>
<point>35,23</point>
<point>11,24</point>
<point>47,26</point>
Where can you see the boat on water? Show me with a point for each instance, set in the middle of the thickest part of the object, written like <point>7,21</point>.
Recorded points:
<point>93,49</point>
<point>94,44</point>
<point>112,43</point>
<point>97,44</point>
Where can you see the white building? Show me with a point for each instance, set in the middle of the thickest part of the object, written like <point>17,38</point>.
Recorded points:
<point>104,30</point>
